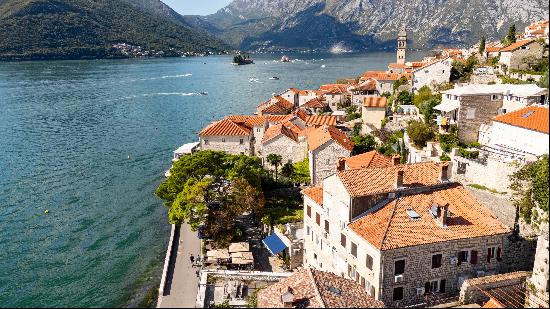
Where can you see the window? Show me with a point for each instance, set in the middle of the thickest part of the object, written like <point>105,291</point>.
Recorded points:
<point>343,240</point>
<point>327,226</point>
<point>493,252</point>
<point>463,256</point>
<point>258,130</point>
<point>328,161</point>
<point>399,267</point>
<point>241,141</point>
<point>353,249</point>
<point>206,142</point>
<point>470,113</point>
<point>223,140</point>
<point>435,286</point>
<point>436,260</point>
<point>318,219</point>
<point>369,262</point>
<point>494,97</point>
<point>308,211</point>
<point>473,257</point>
<point>308,229</point>
<point>398,293</point>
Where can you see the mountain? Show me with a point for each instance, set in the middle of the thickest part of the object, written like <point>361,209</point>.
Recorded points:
<point>366,24</point>
<point>77,29</point>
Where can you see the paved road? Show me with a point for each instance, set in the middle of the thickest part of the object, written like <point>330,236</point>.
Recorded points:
<point>182,282</point>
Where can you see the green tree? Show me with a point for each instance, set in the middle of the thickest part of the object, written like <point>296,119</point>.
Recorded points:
<point>301,172</point>
<point>511,36</point>
<point>419,132</point>
<point>287,170</point>
<point>363,143</point>
<point>423,94</point>
<point>404,98</point>
<point>530,190</point>
<point>482,45</point>
<point>275,160</point>
<point>427,109</point>
<point>543,82</point>
<point>352,113</point>
<point>398,83</point>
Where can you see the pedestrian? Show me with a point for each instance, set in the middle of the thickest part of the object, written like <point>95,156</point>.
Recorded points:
<point>192,258</point>
<point>197,273</point>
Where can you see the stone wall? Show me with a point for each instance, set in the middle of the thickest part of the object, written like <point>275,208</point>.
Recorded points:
<point>418,269</point>
<point>287,148</point>
<point>520,254</point>
<point>325,160</point>
<point>229,144</point>
<point>431,75</point>
<point>493,174</point>
<point>471,293</point>
<point>514,60</point>
<point>482,108</point>
<point>539,281</point>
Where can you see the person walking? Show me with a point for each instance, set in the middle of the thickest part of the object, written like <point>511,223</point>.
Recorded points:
<point>192,258</point>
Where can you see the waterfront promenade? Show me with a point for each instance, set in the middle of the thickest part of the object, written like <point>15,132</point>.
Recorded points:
<point>181,280</point>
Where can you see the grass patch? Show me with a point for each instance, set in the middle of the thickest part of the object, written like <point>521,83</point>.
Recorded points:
<point>284,215</point>
<point>480,187</point>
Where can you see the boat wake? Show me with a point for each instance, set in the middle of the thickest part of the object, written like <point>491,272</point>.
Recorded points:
<point>177,76</point>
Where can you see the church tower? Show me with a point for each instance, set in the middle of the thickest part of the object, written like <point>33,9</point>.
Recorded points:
<point>401,45</point>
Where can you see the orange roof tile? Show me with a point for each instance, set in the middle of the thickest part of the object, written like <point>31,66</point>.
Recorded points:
<point>368,159</point>
<point>311,288</point>
<point>368,85</point>
<point>517,45</point>
<point>318,102</point>
<point>375,102</point>
<point>251,121</point>
<point>531,117</point>
<point>277,130</point>
<point>274,119</point>
<point>225,127</point>
<point>390,227</point>
<point>321,120</point>
<point>334,88</point>
<point>317,137</point>
<point>277,104</point>
<point>382,75</point>
<point>300,113</point>
<point>314,193</point>
<point>397,65</point>
<point>493,49</point>
<point>360,182</point>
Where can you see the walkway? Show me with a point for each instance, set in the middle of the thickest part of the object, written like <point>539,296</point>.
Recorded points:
<point>182,282</point>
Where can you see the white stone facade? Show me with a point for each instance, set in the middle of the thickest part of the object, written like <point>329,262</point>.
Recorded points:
<point>530,141</point>
<point>230,144</point>
<point>324,160</point>
<point>433,74</point>
<point>290,150</point>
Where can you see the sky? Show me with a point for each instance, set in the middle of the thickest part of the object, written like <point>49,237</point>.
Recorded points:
<point>194,7</point>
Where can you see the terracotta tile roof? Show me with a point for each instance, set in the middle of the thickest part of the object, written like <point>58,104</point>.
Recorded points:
<point>396,65</point>
<point>277,104</point>
<point>368,85</point>
<point>317,120</point>
<point>493,49</point>
<point>274,119</point>
<point>368,159</point>
<point>225,127</point>
<point>382,75</point>
<point>317,137</point>
<point>314,193</point>
<point>277,130</point>
<point>517,45</point>
<point>295,90</point>
<point>391,227</point>
<point>531,117</point>
<point>311,288</point>
<point>251,121</point>
<point>360,182</point>
<point>375,102</point>
<point>300,113</point>
<point>334,88</point>
<point>318,102</point>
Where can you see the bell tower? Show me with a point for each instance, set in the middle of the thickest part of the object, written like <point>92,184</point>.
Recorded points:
<point>401,45</point>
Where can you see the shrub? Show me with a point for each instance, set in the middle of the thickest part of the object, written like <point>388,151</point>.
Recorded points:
<point>468,154</point>
<point>447,141</point>
<point>444,157</point>
<point>420,133</point>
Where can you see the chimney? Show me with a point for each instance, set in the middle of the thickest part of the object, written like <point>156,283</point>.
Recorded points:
<point>443,173</point>
<point>396,159</point>
<point>288,298</point>
<point>399,179</point>
<point>442,218</point>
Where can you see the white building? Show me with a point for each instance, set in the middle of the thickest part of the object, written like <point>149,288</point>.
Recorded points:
<point>434,73</point>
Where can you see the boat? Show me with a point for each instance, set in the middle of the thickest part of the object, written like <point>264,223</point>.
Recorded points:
<point>203,93</point>
<point>274,78</point>
<point>242,60</point>
<point>285,58</point>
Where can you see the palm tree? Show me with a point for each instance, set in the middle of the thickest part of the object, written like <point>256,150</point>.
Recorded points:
<point>275,160</point>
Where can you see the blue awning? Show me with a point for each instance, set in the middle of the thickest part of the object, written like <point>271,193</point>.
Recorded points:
<point>274,244</point>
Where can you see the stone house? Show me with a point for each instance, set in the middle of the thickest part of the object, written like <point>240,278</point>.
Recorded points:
<point>287,140</point>
<point>306,95</point>
<point>336,95</point>
<point>432,74</point>
<point>385,80</point>
<point>515,55</point>
<point>229,136</point>
<point>311,288</point>
<point>470,106</point>
<point>404,232</point>
<point>373,111</point>
<point>292,95</point>
<point>316,105</point>
<point>365,89</point>
<point>326,144</point>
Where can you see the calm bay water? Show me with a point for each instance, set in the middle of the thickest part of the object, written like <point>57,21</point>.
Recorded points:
<point>66,131</point>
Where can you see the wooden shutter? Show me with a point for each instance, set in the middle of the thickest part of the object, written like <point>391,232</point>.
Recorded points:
<point>427,288</point>
<point>372,290</point>
<point>499,254</point>
<point>488,255</point>
<point>473,257</point>
<point>442,286</point>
